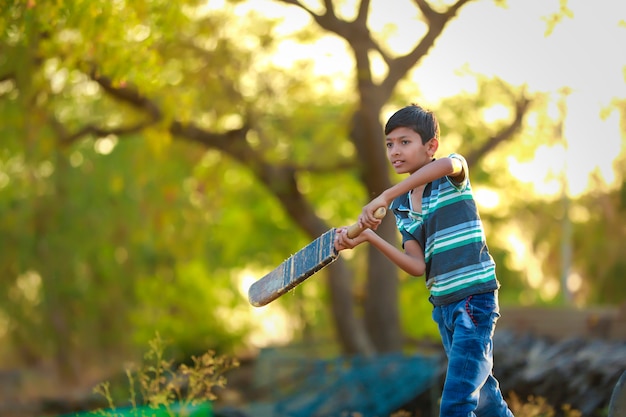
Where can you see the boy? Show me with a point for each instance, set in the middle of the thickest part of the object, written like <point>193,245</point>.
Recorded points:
<point>443,238</point>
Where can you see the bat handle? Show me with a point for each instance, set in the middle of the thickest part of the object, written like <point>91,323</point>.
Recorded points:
<point>355,229</point>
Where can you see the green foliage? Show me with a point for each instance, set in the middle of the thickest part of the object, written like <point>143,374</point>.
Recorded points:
<point>416,310</point>
<point>118,239</point>
<point>107,237</point>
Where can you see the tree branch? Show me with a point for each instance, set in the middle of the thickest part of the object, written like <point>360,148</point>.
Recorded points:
<point>330,8</point>
<point>281,180</point>
<point>66,138</point>
<point>127,94</point>
<point>327,3</point>
<point>364,8</point>
<point>432,15</point>
<point>521,107</point>
<point>437,21</point>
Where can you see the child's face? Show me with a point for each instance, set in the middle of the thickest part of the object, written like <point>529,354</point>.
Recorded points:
<point>406,152</point>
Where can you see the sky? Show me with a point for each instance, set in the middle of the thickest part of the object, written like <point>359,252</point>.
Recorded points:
<point>585,52</point>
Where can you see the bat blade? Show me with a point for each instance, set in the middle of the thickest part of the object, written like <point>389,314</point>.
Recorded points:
<point>300,266</point>
<point>293,271</point>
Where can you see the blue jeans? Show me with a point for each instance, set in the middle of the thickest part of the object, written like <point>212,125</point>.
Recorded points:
<point>466,329</point>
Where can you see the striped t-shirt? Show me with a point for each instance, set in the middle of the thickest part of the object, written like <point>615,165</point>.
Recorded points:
<point>450,232</point>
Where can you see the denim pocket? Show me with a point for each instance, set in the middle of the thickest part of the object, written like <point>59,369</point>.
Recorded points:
<point>483,310</point>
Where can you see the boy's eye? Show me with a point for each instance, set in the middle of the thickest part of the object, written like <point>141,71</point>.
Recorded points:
<point>406,142</point>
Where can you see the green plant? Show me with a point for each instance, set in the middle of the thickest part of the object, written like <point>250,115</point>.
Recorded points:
<point>173,390</point>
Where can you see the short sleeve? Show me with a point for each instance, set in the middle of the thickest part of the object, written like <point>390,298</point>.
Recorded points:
<point>405,223</point>
<point>460,186</point>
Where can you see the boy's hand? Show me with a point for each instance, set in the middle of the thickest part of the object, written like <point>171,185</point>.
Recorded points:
<point>367,219</point>
<point>342,241</point>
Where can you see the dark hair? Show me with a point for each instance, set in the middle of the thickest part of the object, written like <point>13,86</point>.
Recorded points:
<point>417,118</point>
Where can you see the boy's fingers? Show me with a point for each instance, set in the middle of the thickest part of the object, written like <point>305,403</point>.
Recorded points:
<point>369,222</point>
<point>338,244</point>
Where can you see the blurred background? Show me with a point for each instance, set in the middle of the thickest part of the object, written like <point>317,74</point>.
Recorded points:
<point>158,157</point>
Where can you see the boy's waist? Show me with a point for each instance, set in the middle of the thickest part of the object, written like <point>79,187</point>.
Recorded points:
<point>438,298</point>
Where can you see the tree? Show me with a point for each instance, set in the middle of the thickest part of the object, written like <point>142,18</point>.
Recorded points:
<point>381,328</point>
<point>381,316</point>
<point>84,244</point>
<point>99,69</point>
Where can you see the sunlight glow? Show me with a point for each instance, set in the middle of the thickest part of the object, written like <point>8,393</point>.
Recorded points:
<point>486,198</point>
<point>529,261</point>
<point>518,250</point>
<point>76,159</point>
<point>105,145</point>
<point>574,283</point>
<point>27,287</point>
<point>495,113</point>
<point>57,76</point>
<point>550,289</point>
<point>138,33</point>
<point>45,169</point>
<point>272,324</point>
<point>592,144</point>
<point>6,86</point>
<point>543,172</point>
<point>4,180</point>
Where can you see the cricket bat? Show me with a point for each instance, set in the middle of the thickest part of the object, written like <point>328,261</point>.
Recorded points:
<point>300,266</point>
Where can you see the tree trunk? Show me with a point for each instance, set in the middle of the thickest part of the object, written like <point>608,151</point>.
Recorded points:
<point>54,266</point>
<point>381,299</point>
<point>350,330</point>
<point>382,316</point>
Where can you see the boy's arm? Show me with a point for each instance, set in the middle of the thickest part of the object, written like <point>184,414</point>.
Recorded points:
<point>411,260</point>
<point>448,166</point>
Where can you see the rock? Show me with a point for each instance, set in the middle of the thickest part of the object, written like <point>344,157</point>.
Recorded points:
<point>578,372</point>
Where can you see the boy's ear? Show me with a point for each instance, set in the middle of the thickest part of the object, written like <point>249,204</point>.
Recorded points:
<point>432,145</point>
